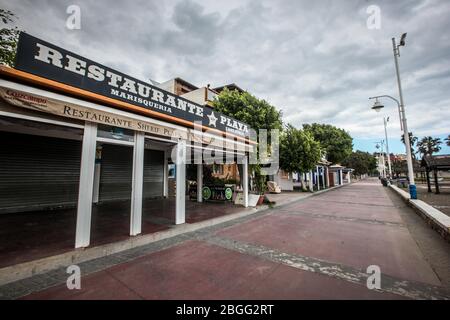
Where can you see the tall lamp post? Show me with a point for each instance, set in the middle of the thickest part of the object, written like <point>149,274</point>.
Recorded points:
<point>381,162</point>
<point>386,120</point>
<point>401,110</point>
<point>377,146</point>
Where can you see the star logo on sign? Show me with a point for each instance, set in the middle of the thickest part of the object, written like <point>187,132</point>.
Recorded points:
<point>212,119</point>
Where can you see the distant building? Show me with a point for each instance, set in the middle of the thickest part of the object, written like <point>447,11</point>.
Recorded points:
<point>177,86</point>
<point>201,95</point>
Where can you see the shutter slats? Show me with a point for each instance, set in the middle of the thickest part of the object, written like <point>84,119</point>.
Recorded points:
<point>153,173</point>
<point>38,172</point>
<point>116,173</point>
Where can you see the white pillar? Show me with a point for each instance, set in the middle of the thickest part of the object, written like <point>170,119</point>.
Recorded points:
<point>96,192</point>
<point>245,180</point>
<point>327,178</point>
<point>310,182</point>
<point>199,182</point>
<point>317,178</point>
<point>349,176</point>
<point>340,177</point>
<point>166,176</point>
<point>180,205</point>
<point>137,184</point>
<point>86,186</point>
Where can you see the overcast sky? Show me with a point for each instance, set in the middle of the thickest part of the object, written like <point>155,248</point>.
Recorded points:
<point>317,61</point>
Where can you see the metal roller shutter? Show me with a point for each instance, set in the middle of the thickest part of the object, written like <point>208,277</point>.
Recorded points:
<point>116,172</point>
<point>153,174</point>
<point>38,172</point>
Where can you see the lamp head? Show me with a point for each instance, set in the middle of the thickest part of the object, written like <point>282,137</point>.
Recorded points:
<point>402,39</point>
<point>377,106</point>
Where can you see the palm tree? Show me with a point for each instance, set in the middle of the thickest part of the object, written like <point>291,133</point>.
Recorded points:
<point>448,140</point>
<point>412,141</point>
<point>429,145</point>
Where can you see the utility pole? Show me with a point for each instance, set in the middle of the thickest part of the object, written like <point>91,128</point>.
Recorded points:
<point>386,120</point>
<point>401,111</point>
<point>412,186</point>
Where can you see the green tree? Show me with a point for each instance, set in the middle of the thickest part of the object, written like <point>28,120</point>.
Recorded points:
<point>8,39</point>
<point>429,145</point>
<point>336,142</point>
<point>412,141</point>
<point>299,152</point>
<point>399,167</point>
<point>361,162</point>
<point>257,113</point>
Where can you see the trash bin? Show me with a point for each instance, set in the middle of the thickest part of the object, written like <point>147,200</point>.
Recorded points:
<point>413,191</point>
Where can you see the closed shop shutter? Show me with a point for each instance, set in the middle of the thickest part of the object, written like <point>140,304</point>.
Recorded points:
<point>116,172</point>
<point>38,172</point>
<point>153,174</point>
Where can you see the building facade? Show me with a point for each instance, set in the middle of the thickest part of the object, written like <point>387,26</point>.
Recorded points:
<point>76,133</point>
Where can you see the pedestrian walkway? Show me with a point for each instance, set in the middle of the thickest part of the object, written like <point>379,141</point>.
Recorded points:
<point>316,248</point>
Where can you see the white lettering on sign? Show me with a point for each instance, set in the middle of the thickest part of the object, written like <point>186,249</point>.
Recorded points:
<point>133,90</point>
<point>96,73</point>
<point>75,65</point>
<point>49,55</point>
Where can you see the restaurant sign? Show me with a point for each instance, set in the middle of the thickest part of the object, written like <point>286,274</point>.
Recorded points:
<point>46,60</point>
<point>77,112</point>
<point>65,109</point>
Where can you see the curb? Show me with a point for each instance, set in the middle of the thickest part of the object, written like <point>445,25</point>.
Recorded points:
<point>438,221</point>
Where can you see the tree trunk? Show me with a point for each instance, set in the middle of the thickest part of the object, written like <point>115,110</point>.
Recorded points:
<point>302,182</point>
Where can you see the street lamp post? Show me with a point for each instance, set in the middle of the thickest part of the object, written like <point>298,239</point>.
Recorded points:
<point>401,109</point>
<point>386,120</point>
<point>381,162</point>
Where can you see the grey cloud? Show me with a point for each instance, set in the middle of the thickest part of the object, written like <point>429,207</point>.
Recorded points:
<point>315,60</point>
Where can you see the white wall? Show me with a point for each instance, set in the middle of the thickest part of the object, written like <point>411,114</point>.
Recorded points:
<point>197,96</point>
<point>168,86</point>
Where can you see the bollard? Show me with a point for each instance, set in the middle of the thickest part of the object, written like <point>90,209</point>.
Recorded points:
<point>413,191</point>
